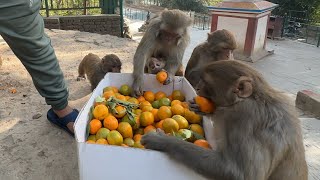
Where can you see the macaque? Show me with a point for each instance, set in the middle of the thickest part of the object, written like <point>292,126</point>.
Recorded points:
<point>96,69</point>
<point>219,46</point>
<point>257,134</point>
<point>155,65</point>
<point>167,37</point>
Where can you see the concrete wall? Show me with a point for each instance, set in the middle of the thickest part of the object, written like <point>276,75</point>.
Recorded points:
<point>101,24</point>
<point>260,34</point>
<point>237,26</point>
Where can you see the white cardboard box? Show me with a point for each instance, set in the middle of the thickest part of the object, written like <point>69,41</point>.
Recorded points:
<point>101,162</point>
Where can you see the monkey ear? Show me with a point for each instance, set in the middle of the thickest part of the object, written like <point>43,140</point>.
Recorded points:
<point>243,87</point>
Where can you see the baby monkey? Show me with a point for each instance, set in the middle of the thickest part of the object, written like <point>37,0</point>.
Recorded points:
<point>96,68</point>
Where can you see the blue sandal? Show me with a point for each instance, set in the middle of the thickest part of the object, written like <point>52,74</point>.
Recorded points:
<point>62,122</point>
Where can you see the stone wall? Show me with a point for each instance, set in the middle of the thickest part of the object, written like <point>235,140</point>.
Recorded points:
<point>102,24</point>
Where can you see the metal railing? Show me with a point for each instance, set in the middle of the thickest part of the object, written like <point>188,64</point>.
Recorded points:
<point>73,7</point>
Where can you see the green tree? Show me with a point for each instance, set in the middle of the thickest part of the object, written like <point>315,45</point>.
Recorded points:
<point>311,8</point>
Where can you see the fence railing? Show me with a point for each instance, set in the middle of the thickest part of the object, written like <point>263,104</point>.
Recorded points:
<point>303,30</point>
<point>200,21</point>
<point>70,6</point>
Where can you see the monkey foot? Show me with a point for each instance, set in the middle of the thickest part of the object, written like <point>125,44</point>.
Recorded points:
<point>62,122</point>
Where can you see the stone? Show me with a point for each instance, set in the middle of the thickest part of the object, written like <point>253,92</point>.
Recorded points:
<point>309,101</point>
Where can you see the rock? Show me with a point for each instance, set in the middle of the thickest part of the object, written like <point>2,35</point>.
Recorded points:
<point>37,116</point>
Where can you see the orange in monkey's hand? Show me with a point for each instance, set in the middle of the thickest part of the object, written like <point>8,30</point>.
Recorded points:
<point>162,76</point>
<point>202,143</point>
<point>205,104</point>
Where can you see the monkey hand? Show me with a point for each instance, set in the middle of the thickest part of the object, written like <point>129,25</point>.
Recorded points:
<point>155,140</point>
<point>169,79</point>
<point>137,89</point>
<point>195,107</point>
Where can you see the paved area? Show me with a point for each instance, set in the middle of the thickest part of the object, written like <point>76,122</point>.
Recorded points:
<point>294,66</point>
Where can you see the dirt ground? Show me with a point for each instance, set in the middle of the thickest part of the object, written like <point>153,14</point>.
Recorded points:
<point>31,147</point>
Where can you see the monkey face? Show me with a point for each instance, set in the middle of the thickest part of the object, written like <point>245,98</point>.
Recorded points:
<point>226,54</point>
<point>111,63</point>
<point>225,83</point>
<point>155,65</point>
<point>168,37</point>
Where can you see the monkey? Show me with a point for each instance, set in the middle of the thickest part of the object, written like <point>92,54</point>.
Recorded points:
<point>155,65</point>
<point>166,36</point>
<point>257,133</point>
<point>95,68</point>
<point>218,46</point>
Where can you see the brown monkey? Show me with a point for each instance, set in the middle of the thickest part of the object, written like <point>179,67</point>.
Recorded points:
<point>157,64</point>
<point>219,46</point>
<point>257,135</point>
<point>95,68</point>
<point>167,37</point>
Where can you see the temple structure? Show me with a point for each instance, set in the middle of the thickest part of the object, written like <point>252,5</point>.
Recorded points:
<point>248,20</point>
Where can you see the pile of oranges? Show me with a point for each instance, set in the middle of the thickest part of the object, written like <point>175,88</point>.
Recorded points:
<point>115,125</point>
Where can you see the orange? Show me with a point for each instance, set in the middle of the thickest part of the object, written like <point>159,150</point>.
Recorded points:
<point>114,89</point>
<point>149,96</point>
<point>155,115</point>
<point>102,133</point>
<point>110,122</point>
<point>100,112</point>
<point>162,76</point>
<point>196,118</point>
<point>92,137</point>
<point>124,145</point>
<point>197,129</point>
<point>160,95</point>
<point>121,97</point>
<point>127,97</point>
<point>170,125</point>
<point>128,142</point>
<point>133,100</point>
<point>149,129</point>
<point>125,130</point>
<point>141,99</point>
<point>205,104</point>
<point>192,117</point>
<point>202,143</point>
<point>155,104</point>
<point>91,141</point>
<point>178,95</point>
<point>177,109</point>
<point>183,123</point>
<point>108,94</point>
<point>170,97</point>
<point>164,112</point>
<point>159,124</point>
<point>137,137</point>
<point>174,102</point>
<point>121,111</point>
<point>137,125</point>
<point>95,125</point>
<point>184,104</point>
<point>137,112</point>
<point>101,141</point>
<point>164,101</point>
<point>147,108</point>
<point>146,118</point>
<point>125,90</point>
<point>98,103</point>
<point>114,138</point>
<point>137,144</point>
<point>144,103</point>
